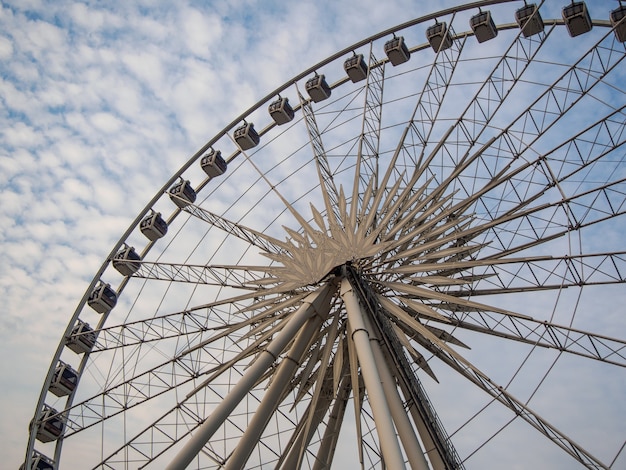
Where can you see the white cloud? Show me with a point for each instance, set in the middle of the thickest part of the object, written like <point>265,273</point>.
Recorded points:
<point>6,48</point>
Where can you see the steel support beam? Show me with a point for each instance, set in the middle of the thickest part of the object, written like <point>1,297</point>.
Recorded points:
<point>280,383</point>
<point>410,443</point>
<point>315,303</point>
<point>389,444</point>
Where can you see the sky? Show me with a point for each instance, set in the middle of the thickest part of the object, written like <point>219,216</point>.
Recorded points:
<point>100,102</point>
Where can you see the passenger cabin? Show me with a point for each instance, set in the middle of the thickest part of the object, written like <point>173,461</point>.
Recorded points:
<point>51,425</point>
<point>356,68</point>
<point>39,462</point>
<point>281,111</point>
<point>577,19</point>
<point>439,37</point>
<point>397,51</point>
<point>620,29</point>
<point>246,136</point>
<point>102,299</point>
<point>483,26</point>
<point>317,88</point>
<point>126,261</point>
<point>529,20</point>
<point>153,226</point>
<point>82,338</point>
<point>64,380</point>
<point>213,163</point>
<point>182,194</point>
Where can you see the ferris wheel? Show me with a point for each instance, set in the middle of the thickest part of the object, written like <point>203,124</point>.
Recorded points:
<point>410,255</point>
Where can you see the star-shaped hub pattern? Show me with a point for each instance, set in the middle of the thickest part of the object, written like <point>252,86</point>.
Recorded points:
<point>410,228</point>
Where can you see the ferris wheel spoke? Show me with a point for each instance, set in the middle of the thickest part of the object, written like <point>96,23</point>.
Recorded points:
<point>143,448</point>
<point>128,394</point>
<point>316,305</point>
<point>525,329</point>
<point>517,274</point>
<point>537,118</point>
<point>564,93</point>
<point>527,226</point>
<point>539,225</point>
<point>238,277</point>
<point>599,140</point>
<point>205,318</point>
<point>457,362</point>
<point>324,172</point>
<point>492,95</point>
<point>161,379</point>
<point>424,115</point>
<point>254,237</point>
<point>366,168</point>
<point>498,85</point>
<point>609,195</point>
<point>549,273</point>
<point>434,93</point>
<point>172,325</point>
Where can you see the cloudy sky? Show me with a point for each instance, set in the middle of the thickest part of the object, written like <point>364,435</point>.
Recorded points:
<point>100,102</point>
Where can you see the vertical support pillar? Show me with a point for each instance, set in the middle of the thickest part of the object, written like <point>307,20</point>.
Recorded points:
<point>331,434</point>
<point>311,304</point>
<point>389,444</point>
<point>270,402</point>
<point>411,444</point>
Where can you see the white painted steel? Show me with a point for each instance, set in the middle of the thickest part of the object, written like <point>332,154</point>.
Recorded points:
<point>315,302</point>
<point>392,453</point>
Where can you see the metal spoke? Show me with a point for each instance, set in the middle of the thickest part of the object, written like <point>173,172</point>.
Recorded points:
<point>499,393</point>
<point>239,277</point>
<point>255,238</point>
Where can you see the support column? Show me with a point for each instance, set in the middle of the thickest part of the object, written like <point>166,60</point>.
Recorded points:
<point>389,444</point>
<point>331,434</point>
<point>313,303</point>
<point>270,402</point>
<point>411,444</point>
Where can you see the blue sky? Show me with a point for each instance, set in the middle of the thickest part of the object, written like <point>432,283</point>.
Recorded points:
<point>100,102</point>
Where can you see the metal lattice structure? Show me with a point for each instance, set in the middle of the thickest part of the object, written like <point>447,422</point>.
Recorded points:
<point>314,299</point>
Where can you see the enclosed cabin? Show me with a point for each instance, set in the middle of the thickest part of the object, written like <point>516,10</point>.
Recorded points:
<point>356,68</point>
<point>529,20</point>
<point>397,51</point>
<point>126,261</point>
<point>213,164</point>
<point>64,380</point>
<point>39,462</point>
<point>281,111</point>
<point>246,136</point>
<point>153,226</point>
<point>577,19</point>
<point>317,88</point>
<point>103,298</point>
<point>619,23</point>
<point>483,26</point>
<point>51,425</point>
<point>182,194</point>
<point>82,339</point>
<point>439,37</point>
